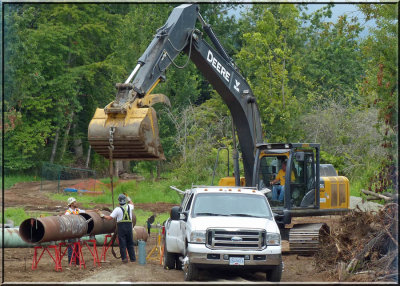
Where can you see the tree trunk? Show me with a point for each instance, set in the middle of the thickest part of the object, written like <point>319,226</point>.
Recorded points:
<point>88,156</point>
<point>66,133</point>
<point>118,166</point>
<point>151,172</point>
<point>184,146</point>
<point>126,166</point>
<point>53,151</point>
<point>283,83</point>
<point>283,75</point>
<point>78,148</point>
<point>158,170</point>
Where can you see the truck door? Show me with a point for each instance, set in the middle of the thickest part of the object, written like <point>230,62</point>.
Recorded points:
<point>183,222</point>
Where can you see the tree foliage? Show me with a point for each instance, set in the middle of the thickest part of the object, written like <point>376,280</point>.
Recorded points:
<point>315,79</point>
<point>265,59</point>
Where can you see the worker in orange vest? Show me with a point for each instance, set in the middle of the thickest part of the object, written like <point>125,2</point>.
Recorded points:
<point>73,210</point>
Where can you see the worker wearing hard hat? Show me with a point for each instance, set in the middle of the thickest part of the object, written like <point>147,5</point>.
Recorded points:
<point>72,207</point>
<point>123,215</point>
<point>73,210</point>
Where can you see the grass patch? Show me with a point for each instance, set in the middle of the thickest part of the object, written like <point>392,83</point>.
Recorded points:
<point>139,192</point>
<point>108,180</point>
<point>11,180</point>
<point>18,215</point>
<point>142,216</point>
<point>355,188</point>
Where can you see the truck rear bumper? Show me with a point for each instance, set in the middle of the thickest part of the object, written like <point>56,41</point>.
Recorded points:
<point>199,254</point>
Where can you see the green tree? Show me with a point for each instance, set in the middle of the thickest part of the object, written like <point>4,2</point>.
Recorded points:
<point>330,53</point>
<point>57,56</point>
<point>380,85</point>
<point>266,61</point>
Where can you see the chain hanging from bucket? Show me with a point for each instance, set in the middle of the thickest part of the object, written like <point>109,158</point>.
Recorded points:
<point>111,149</point>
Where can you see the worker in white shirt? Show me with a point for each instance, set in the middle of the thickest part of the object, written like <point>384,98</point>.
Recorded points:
<point>123,215</point>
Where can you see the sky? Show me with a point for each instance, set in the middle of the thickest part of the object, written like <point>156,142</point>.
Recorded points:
<point>345,9</point>
<point>338,10</point>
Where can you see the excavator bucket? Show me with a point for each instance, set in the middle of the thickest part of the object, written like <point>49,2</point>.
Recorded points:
<point>131,132</point>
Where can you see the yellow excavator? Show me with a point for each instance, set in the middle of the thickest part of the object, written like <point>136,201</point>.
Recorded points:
<point>126,129</point>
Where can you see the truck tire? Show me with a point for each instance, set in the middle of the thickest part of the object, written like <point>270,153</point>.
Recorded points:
<point>178,262</point>
<point>275,274</point>
<point>190,272</point>
<point>168,258</point>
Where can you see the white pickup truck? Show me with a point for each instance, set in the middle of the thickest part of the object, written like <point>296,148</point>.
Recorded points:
<point>231,227</point>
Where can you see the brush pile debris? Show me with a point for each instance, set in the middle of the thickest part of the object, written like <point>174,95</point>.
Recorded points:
<point>363,246</point>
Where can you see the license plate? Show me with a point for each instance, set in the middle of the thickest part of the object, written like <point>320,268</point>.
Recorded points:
<point>236,260</point>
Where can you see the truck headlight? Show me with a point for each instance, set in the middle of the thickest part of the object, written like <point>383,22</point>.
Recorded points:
<point>273,239</point>
<point>198,236</point>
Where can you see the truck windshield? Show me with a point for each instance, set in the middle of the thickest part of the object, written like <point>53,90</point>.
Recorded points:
<point>243,205</point>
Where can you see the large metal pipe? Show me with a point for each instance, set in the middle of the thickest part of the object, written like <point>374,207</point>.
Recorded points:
<point>98,225</point>
<point>53,228</point>
<point>12,238</point>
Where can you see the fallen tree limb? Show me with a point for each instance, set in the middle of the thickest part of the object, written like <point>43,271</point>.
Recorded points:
<point>376,195</point>
<point>388,276</point>
<point>365,272</point>
<point>391,237</point>
<point>369,245</point>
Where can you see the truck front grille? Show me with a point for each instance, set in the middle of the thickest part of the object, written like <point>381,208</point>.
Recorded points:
<point>226,238</point>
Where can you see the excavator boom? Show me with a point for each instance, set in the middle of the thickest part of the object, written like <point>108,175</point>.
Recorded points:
<point>131,125</point>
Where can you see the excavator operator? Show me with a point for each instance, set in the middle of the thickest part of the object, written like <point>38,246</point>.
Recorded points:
<point>278,191</point>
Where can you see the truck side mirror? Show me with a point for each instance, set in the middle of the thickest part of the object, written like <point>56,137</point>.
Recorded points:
<point>175,214</point>
<point>184,215</point>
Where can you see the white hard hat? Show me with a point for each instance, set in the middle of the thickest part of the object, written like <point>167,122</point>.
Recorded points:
<point>71,200</point>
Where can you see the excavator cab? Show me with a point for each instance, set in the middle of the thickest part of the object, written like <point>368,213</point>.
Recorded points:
<point>127,128</point>
<point>307,187</point>
<point>301,188</point>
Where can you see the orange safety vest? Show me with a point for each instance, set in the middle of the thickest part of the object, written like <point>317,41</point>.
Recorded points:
<point>76,211</point>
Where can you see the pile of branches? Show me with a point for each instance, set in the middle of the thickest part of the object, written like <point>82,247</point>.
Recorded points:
<point>363,246</point>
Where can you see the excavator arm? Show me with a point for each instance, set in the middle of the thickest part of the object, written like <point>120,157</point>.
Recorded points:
<point>176,36</point>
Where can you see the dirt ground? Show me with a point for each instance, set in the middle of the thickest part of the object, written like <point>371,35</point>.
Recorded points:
<point>33,197</point>
<point>18,261</point>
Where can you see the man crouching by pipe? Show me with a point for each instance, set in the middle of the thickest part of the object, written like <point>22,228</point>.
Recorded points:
<point>123,215</point>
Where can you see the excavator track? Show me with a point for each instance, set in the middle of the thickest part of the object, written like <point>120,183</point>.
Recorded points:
<point>305,239</point>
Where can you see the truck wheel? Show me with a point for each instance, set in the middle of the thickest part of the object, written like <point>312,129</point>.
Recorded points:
<point>178,263</point>
<point>275,274</point>
<point>190,272</point>
<point>168,258</point>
